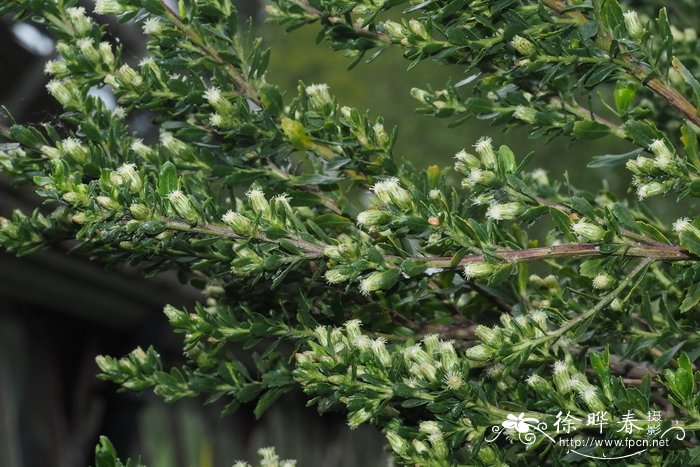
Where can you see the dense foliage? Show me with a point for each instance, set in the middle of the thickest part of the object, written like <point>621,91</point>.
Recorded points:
<point>433,304</point>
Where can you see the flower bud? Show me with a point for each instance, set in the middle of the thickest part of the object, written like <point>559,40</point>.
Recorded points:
<point>469,161</point>
<point>258,202</point>
<point>398,444</point>
<point>56,67</point>
<point>478,269</point>
<point>479,352</point>
<point>130,175</point>
<point>183,207</point>
<point>561,376</point>
<point>107,203</point>
<point>603,281</point>
<point>75,149</point>
<point>479,177</point>
<point>633,25</point>
<point>420,95</point>
<point>50,152</point>
<point>390,192</point>
<point>380,135</point>
<point>318,95</point>
<point>129,77</point>
<point>659,148</point>
<point>539,384</point>
<point>378,348</point>
<point>487,335</point>
<point>650,189</point>
<point>373,218</point>
<point>394,30</point>
<point>139,211</point>
<point>503,211</point>
<point>418,28</point>
<point>80,218</point>
<point>522,45</point>
<point>526,114</point>
<point>109,7</point>
<point>81,24</point>
<point>87,47</point>
<point>152,26</point>
<point>640,165</point>
<point>358,417</point>
<point>238,223</point>
<point>485,150</point>
<point>66,92</point>
<point>377,280</point>
<point>588,230</point>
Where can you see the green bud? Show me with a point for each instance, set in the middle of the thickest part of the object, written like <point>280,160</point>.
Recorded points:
<point>633,25</point>
<point>398,444</point>
<point>522,45</point>
<point>358,417</point>
<point>66,92</point>
<point>75,149</point>
<point>131,176</point>
<point>183,207</point>
<point>588,230</point>
<point>318,95</point>
<point>418,28</point>
<point>109,7</point>
<point>107,203</point>
<point>539,384</point>
<point>391,192</point>
<point>239,223</point>
<point>81,24</point>
<point>484,148</point>
<point>378,280</point>
<point>373,219</point>
<point>526,114</point>
<point>603,281</point>
<point>478,269</point>
<point>504,211</point>
<point>394,30</point>
<point>140,211</point>
<point>479,352</point>
<point>647,190</point>
<point>258,202</point>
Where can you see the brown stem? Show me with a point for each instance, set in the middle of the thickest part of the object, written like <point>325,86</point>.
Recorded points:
<point>314,250</point>
<point>674,98</point>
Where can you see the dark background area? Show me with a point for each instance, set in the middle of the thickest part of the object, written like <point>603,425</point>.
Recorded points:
<point>58,310</point>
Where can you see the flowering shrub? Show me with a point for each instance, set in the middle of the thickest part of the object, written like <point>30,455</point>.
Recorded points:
<point>437,304</point>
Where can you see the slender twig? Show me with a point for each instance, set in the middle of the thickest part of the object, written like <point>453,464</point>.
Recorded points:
<point>334,19</point>
<point>245,87</point>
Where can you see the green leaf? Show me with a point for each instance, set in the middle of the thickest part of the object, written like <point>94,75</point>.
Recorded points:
<point>413,267</point>
<point>601,364</point>
<point>624,215</point>
<point>167,179</point>
<point>589,129</point>
<point>582,206</point>
<point>691,299</point>
<point>267,399</point>
<point>690,242</point>
<point>624,94</point>
<point>613,160</point>
<point>688,78</point>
